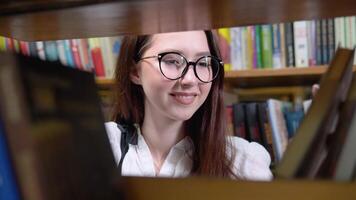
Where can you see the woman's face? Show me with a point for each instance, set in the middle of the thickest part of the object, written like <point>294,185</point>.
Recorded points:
<point>173,99</point>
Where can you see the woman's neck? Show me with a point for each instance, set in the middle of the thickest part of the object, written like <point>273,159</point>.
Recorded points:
<point>161,135</point>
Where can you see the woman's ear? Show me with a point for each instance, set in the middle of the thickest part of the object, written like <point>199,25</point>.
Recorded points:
<point>135,75</point>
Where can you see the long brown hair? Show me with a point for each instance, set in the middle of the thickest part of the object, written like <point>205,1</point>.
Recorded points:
<point>207,125</point>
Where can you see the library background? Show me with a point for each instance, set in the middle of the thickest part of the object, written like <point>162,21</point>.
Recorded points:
<point>273,53</point>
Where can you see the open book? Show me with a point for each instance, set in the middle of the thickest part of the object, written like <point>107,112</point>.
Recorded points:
<point>307,154</point>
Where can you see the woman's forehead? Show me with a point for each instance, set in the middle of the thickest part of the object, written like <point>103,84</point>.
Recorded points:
<point>193,41</point>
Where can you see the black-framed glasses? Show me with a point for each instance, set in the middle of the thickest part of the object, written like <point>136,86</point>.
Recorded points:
<point>173,66</point>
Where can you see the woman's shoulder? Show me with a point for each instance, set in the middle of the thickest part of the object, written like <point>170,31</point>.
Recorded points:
<point>114,135</point>
<point>251,161</point>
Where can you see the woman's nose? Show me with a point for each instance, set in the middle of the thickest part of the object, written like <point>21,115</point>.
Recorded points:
<point>189,76</point>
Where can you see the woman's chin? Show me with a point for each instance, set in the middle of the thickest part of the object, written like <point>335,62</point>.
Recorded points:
<point>183,116</point>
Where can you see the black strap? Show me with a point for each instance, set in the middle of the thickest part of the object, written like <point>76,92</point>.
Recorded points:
<point>128,136</point>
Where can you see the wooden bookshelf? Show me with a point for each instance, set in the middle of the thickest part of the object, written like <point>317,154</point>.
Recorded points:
<point>275,77</point>
<point>33,20</point>
<point>261,77</point>
<point>54,19</point>
<point>212,189</point>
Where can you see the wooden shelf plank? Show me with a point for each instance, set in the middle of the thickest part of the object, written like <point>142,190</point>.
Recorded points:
<point>145,17</point>
<point>195,188</point>
<point>274,77</point>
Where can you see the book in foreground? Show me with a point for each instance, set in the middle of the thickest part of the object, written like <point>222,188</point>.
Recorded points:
<point>55,130</point>
<point>307,151</point>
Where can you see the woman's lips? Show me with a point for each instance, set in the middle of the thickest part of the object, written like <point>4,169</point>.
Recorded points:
<point>184,98</point>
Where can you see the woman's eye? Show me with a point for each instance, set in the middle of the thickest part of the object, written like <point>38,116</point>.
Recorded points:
<point>172,62</point>
<point>203,64</point>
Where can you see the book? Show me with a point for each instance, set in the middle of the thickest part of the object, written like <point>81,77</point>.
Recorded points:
<point>278,126</point>
<point>267,51</point>
<point>239,120</point>
<point>51,52</point>
<point>251,119</point>
<point>8,186</point>
<point>276,47</point>
<point>306,151</point>
<point>289,45</point>
<point>265,128</point>
<point>224,41</point>
<point>340,161</point>
<point>236,49</point>
<point>229,122</point>
<point>55,130</point>
<point>300,43</point>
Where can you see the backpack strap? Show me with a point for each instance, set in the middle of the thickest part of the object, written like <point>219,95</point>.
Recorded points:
<point>128,136</point>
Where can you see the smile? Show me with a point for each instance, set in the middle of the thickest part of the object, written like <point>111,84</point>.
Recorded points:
<point>184,98</point>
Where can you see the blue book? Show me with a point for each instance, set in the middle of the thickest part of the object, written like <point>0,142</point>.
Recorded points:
<point>51,52</point>
<point>293,120</point>
<point>276,46</point>
<point>8,186</point>
<point>68,53</point>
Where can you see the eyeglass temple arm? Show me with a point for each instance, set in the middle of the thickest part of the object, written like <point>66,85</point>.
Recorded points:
<point>149,57</point>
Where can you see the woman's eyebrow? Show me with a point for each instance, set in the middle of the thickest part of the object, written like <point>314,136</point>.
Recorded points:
<point>199,54</point>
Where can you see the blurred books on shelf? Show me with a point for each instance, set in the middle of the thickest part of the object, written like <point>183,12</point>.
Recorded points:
<point>291,44</point>
<point>54,130</point>
<point>309,149</point>
<point>97,55</point>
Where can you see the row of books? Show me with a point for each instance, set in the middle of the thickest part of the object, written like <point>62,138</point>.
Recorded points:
<point>324,145</point>
<point>97,55</point>
<point>293,44</point>
<point>271,123</point>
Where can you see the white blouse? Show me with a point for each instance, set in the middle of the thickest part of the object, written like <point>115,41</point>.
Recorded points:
<point>251,159</point>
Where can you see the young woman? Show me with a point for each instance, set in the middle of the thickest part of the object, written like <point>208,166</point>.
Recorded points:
<point>169,90</point>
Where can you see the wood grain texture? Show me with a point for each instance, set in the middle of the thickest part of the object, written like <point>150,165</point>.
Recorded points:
<point>207,188</point>
<point>147,17</point>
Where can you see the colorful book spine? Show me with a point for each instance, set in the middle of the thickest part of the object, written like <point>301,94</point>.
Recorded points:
<point>239,120</point>
<point>276,46</point>
<point>278,125</point>
<point>224,43</point>
<point>258,46</point>
<point>244,47</point>
<point>266,32</point>
<point>8,186</point>
<point>311,35</point>
<point>68,53</point>
<point>9,44</point>
<point>40,50</point>
<point>318,35</point>
<point>250,47</point>
<point>2,43</point>
<point>331,40</point>
<point>229,121</point>
<point>61,52</point>
<point>288,27</point>
<point>300,43</point>
<point>84,54</point>
<point>74,46</point>
<point>24,48</point>
<point>236,49</point>
<point>51,50</point>
<point>253,130</point>
<point>283,45</point>
<point>96,55</point>
<point>265,128</point>
<point>324,41</point>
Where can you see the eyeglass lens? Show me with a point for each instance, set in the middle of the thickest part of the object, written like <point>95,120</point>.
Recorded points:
<point>172,66</point>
